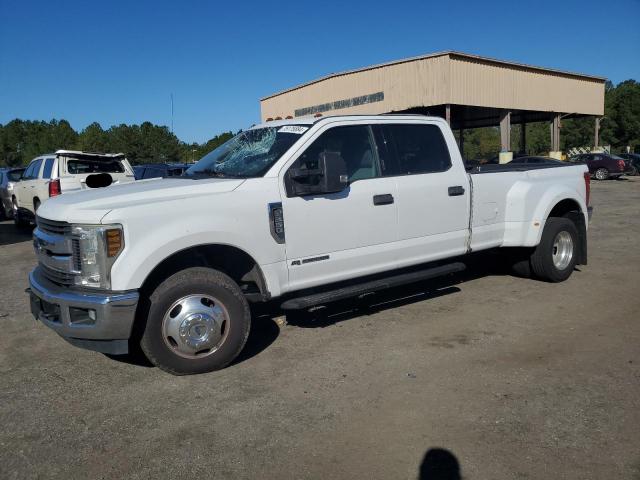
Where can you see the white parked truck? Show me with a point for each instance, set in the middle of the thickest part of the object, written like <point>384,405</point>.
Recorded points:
<point>301,212</point>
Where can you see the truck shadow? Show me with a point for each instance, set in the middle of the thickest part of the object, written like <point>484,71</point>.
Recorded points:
<point>264,331</point>
<point>478,265</point>
<point>265,328</point>
<point>10,234</point>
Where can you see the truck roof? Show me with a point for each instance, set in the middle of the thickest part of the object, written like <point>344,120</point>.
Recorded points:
<point>309,120</point>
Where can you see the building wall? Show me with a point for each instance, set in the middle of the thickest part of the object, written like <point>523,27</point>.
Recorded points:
<point>403,85</point>
<point>439,79</point>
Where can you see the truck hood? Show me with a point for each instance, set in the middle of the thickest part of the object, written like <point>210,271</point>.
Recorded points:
<point>90,206</point>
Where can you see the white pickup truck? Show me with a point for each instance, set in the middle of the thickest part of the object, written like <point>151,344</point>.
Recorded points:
<point>300,212</point>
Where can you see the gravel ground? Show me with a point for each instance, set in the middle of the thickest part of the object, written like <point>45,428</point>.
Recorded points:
<point>485,375</point>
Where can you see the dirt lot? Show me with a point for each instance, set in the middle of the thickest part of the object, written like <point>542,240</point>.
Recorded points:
<point>497,376</point>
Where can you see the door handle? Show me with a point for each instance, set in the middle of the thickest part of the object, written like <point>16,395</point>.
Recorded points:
<point>385,199</point>
<point>456,191</point>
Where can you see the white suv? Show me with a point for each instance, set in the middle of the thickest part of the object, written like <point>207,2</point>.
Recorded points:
<point>62,172</point>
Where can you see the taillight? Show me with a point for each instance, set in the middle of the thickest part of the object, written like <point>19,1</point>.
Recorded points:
<point>54,187</point>
<point>622,165</point>
<point>587,186</point>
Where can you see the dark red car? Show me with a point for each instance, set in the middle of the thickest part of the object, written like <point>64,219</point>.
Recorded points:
<point>602,165</point>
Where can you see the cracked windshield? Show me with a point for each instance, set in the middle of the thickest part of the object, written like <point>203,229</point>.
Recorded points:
<point>249,154</point>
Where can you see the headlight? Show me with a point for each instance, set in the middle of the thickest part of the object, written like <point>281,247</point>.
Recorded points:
<point>96,248</point>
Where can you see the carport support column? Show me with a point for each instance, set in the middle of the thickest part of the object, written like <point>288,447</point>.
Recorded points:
<point>555,134</point>
<point>505,137</point>
<point>596,139</point>
<point>447,113</point>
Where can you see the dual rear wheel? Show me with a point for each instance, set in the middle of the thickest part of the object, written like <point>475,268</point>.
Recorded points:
<point>555,257</point>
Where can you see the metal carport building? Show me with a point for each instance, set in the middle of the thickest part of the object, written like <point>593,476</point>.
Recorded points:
<point>468,90</point>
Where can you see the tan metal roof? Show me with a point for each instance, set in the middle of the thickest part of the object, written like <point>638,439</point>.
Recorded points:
<point>439,79</point>
<point>452,53</point>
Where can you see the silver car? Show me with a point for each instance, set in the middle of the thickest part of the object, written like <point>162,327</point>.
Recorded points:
<point>8,179</point>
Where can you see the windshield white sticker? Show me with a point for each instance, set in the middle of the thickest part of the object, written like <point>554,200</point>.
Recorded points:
<point>293,129</point>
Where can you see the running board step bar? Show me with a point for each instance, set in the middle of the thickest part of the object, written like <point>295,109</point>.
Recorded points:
<point>350,291</point>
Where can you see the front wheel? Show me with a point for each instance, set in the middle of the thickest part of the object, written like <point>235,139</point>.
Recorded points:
<point>556,256</point>
<point>198,321</point>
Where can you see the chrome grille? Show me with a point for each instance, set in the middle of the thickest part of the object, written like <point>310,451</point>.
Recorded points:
<point>53,227</point>
<point>75,244</point>
<point>59,278</point>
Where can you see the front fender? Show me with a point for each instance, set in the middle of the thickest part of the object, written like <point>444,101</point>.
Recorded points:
<point>153,234</point>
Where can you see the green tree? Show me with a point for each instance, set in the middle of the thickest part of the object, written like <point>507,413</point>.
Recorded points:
<point>576,132</point>
<point>621,123</point>
<point>94,139</point>
<point>481,144</point>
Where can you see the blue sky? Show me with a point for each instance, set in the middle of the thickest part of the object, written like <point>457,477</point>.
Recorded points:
<point>119,61</point>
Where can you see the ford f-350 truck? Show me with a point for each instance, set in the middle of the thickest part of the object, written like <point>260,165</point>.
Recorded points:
<point>301,212</point>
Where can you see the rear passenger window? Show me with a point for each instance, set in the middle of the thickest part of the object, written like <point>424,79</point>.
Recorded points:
<point>419,148</point>
<point>48,167</point>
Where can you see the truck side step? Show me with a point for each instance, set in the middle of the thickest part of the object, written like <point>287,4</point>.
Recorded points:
<point>307,301</point>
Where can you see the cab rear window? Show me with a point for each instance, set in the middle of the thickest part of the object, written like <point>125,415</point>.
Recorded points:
<point>78,166</point>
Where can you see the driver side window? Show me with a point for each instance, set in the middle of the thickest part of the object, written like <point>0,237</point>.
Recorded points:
<point>32,170</point>
<point>353,143</point>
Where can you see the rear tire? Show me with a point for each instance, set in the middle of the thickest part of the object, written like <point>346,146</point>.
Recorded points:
<point>198,321</point>
<point>556,256</point>
<point>602,174</point>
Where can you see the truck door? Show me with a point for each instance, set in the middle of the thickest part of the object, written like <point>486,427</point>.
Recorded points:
<point>342,235</point>
<point>433,192</point>
<point>26,186</point>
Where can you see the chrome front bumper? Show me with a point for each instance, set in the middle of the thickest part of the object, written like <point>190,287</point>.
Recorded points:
<point>100,321</point>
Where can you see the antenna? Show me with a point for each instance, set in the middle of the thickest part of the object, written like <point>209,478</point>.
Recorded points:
<point>171,112</point>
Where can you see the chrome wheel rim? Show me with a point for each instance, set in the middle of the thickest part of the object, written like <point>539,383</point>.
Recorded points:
<point>195,326</point>
<point>562,250</point>
<point>601,174</point>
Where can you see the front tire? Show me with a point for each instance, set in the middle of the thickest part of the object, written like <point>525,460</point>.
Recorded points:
<point>198,321</point>
<point>556,256</point>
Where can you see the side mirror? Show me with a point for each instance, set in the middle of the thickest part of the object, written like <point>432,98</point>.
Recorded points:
<point>330,177</point>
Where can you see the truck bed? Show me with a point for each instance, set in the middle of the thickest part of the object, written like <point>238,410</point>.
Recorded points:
<point>514,166</point>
